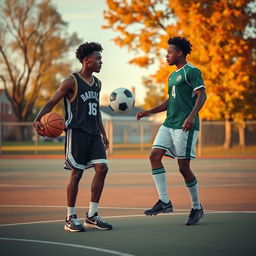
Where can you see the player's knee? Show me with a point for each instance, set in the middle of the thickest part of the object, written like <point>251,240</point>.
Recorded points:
<point>155,157</point>
<point>185,171</point>
<point>76,175</point>
<point>102,169</point>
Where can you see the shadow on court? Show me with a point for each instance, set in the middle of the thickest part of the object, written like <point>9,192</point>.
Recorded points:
<point>33,210</point>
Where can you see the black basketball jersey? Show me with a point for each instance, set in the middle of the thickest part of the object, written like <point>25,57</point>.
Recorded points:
<point>82,111</point>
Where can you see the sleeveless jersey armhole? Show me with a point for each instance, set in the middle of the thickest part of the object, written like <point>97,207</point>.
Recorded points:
<point>97,81</point>
<point>75,89</point>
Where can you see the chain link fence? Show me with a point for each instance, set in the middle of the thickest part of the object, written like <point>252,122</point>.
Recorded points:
<point>126,137</point>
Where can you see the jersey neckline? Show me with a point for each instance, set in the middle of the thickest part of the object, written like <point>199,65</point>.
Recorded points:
<point>182,67</point>
<point>87,82</point>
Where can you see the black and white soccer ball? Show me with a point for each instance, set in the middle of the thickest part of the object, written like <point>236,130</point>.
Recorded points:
<point>121,100</point>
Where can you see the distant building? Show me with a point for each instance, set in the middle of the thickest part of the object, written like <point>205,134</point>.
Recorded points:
<point>108,114</point>
<point>6,115</point>
<point>124,128</point>
<point>6,109</point>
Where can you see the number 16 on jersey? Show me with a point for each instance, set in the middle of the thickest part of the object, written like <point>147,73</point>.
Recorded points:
<point>92,109</point>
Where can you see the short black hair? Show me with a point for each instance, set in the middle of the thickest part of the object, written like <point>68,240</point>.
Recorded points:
<point>181,43</point>
<point>85,49</point>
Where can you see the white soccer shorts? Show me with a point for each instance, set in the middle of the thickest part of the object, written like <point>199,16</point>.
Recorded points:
<point>176,142</point>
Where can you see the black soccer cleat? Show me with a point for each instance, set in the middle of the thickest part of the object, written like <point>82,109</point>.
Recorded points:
<point>160,207</point>
<point>194,216</point>
<point>96,222</point>
<point>73,225</point>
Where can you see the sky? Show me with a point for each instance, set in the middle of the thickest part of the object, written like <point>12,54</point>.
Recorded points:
<point>85,17</point>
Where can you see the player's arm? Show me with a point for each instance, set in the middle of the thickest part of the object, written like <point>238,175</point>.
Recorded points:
<point>190,120</point>
<point>65,89</point>
<point>102,129</point>
<point>162,107</point>
<point>103,132</point>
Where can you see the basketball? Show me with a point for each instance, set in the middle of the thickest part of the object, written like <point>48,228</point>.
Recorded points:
<point>53,123</point>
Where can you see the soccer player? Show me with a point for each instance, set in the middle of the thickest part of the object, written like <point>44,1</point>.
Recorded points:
<point>177,136</point>
<point>86,139</point>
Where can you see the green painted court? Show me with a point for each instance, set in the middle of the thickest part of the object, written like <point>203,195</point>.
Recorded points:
<point>33,199</point>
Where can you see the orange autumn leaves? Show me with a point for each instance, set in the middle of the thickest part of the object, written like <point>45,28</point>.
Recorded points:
<point>223,40</point>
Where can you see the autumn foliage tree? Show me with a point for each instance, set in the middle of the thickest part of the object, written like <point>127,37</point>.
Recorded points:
<point>224,47</point>
<point>225,44</point>
<point>33,47</point>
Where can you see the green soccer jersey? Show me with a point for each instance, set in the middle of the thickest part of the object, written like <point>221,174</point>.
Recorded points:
<point>182,85</point>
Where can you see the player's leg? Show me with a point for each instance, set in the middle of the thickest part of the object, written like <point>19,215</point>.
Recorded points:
<point>196,212</point>
<point>191,182</point>
<point>160,146</point>
<point>159,174</point>
<point>97,186</point>
<point>72,222</point>
<point>185,143</point>
<point>73,162</point>
<point>185,170</point>
<point>99,161</point>
<point>72,188</point>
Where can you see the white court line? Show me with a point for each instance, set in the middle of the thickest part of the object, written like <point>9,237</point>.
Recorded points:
<point>116,208</point>
<point>29,186</point>
<point>30,223</point>
<point>127,216</point>
<point>68,245</point>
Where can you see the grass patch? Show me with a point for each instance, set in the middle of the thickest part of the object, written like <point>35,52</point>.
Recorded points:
<point>28,147</point>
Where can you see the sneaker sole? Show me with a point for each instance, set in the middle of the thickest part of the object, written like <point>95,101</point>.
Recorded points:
<point>88,225</point>
<point>167,210</point>
<point>73,230</point>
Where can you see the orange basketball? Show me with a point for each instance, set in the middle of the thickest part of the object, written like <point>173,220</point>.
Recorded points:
<point>54,124</point>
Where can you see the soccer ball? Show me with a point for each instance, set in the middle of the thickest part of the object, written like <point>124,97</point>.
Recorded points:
<point>121,100</point>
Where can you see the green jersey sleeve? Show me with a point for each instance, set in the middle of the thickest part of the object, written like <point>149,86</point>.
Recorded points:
<point>194,78</point>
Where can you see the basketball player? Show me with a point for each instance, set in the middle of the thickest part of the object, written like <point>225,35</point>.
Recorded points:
<point>86,139</point>
<point>177,136</point>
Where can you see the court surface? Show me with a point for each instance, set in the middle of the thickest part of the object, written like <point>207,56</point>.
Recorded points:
<point>33,199</point>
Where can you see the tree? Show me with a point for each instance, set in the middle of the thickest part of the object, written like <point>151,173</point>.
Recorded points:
<point>33,47</point>
<point>151,89</point>
<point>224,32</point>
<point>223,35</point>
<point>143,28</point>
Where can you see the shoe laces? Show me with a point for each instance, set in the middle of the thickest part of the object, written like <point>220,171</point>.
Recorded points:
<point>157,203</point>
<point>75,221</point>
<point>193,212</point>
<point>98,218</point>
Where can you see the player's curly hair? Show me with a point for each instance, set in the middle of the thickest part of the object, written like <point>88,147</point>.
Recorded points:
<point>182,43</point>
<point>85,49</point>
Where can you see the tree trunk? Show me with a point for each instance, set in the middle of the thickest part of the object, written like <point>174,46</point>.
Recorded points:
<point>228,134</point>
<point>241,132</point>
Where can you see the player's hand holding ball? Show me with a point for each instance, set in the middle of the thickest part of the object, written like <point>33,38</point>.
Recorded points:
<point>50,125</point>
<point>39,127</point>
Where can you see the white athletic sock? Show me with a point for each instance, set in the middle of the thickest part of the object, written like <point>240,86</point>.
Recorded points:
<point>93,207</point>
<point>71,211</point>
<point>194,195</point>
<point>160,182</point>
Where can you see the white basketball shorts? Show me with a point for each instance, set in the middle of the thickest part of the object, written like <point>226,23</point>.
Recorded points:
<point>176,142</point>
